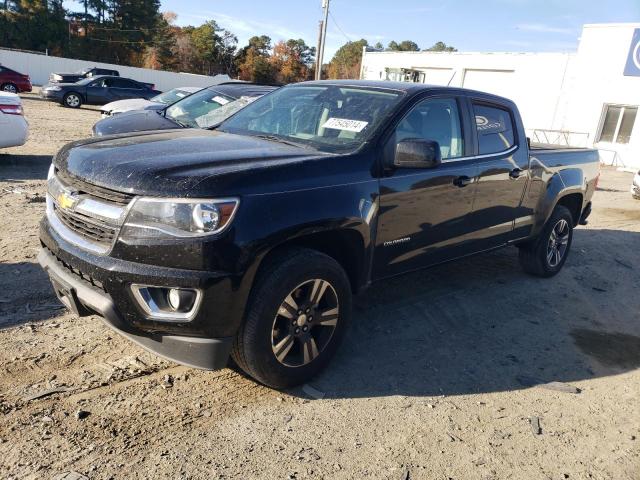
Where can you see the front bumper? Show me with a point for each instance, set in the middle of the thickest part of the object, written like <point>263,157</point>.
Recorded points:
<point>51,95</point>
<point>85,298</point>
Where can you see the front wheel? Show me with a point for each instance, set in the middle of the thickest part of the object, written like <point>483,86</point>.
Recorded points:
<point>72,100</point>
<point>545,255</point>
<point>295,320</point>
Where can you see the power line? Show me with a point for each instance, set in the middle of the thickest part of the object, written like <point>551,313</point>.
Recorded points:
<point>338,26</point>
<point>125,30</point>
<point>120,41</point>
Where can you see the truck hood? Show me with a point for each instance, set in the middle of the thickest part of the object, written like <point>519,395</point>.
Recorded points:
<point>133,121</point>
<point>66,77</point>
<point>184,163</point>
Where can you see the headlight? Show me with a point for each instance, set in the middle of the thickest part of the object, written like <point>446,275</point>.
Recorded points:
<point>54,89</point>
<point>154,218</point>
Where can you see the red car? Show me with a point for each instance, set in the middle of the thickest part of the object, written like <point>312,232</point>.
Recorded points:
<point>14,82</point>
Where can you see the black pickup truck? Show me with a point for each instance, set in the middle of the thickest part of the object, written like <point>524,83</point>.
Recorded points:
<point>82,74</point>
<point>249,240</point>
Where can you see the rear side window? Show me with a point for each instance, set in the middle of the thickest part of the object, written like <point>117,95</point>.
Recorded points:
<point>123,83</point>
<point>495,128</point>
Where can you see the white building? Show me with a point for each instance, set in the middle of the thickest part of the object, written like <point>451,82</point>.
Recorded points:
<point>589,98</point>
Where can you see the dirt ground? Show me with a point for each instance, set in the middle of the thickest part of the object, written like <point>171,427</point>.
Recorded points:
<point>442,374</point>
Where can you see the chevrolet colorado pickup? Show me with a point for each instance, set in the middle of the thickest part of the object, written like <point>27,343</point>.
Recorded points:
<point>248,240</point>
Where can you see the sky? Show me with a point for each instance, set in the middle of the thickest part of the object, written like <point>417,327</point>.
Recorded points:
<point>468,25</point>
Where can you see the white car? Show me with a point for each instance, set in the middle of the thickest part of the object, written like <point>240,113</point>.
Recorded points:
<point>14,128</point>
<point>635,186</point>
<point>155,103</point>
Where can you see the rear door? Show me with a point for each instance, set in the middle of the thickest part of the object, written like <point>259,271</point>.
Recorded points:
<point>424,213</point>
<point>124,88</point>
<point>503,164</point>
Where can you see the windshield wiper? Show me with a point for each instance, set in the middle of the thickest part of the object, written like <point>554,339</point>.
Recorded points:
<point>275,138</point>
<point>182,124</point>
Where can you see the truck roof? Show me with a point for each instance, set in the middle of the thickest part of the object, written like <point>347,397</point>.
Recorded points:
<point>408,87</point>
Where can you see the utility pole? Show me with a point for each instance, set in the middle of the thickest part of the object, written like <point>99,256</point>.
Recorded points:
<point>323,37</point>
<point>318,65</point>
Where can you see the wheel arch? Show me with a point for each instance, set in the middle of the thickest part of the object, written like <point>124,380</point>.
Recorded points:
<point>346,246</point>
<point>563,188</point>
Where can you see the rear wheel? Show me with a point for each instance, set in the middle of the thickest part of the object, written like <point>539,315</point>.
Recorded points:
<point>296,318</point>
<point>9,87</point>
<point>72,100</point>
<point>545,255</point>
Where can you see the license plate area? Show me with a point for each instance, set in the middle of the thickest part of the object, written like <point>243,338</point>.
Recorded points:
<point>68,296</point>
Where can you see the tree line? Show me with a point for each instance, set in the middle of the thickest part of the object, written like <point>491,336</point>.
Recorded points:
<point>136,33</point>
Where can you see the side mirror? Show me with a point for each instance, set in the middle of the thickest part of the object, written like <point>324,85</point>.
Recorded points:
<point>417,153</point>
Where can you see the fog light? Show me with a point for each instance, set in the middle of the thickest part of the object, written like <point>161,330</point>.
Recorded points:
<point>167,303</point>
<point>174,299</point>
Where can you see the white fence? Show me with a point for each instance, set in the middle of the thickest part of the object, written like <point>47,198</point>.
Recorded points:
<point>38,67</point>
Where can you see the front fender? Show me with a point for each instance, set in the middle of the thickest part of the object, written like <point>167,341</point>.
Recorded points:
<point>298,217</point>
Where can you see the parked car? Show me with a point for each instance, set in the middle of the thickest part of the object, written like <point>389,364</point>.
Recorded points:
<point>96,91</point>
<point>14,129</point>
<point>250,239</point>
<point>635,186</point>
<point>158,102</point>
<point>81,74</point>
<point>14,82</point>
<point>194,111</point>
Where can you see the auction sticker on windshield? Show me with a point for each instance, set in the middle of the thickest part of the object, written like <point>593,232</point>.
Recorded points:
<point>345,124</point>
<point>220,100</point>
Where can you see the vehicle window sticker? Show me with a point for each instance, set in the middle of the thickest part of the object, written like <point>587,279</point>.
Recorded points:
<point>345,124</point>
<point>220,100</point>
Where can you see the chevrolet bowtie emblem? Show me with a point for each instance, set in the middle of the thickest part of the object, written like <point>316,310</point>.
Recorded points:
<point>66,200</point>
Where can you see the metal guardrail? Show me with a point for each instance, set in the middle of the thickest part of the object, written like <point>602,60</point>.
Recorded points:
<point>616,158</point>
<point>35,52</point>
<point>565,138</point>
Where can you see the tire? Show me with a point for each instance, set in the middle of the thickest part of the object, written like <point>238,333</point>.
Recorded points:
<point>9,87</point>
<point>277,345</point>
<point>72,100</point>
<point>546,254</point>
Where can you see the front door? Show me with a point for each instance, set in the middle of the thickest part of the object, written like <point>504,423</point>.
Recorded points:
<point>99,92</point>
<point>424,213</point>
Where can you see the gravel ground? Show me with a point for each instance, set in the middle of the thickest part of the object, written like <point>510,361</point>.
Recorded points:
<point>444,373</point>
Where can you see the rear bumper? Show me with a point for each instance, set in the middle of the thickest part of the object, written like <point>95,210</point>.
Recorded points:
<point>25,87</point>
<point>14,131</point>
<point>585,214</point>
<point>84,298</point>
<point>635,186</point>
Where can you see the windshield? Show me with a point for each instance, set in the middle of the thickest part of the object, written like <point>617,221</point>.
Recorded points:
<point>171,96</point>
<point>188,110</point>
<point>85,81</point>
<point>219,115</point>
<point>329,118</point>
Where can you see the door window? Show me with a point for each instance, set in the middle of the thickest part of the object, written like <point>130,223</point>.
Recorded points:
<point>436,119</point>
<point>495,128</point>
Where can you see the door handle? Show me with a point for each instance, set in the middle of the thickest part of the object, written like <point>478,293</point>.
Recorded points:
<point>462,181</point>
<point>515,173</point>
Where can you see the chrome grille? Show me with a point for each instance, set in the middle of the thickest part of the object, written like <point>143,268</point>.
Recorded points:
<point>88,227</point>
<point>83,215</point>
<point>93,190</point>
